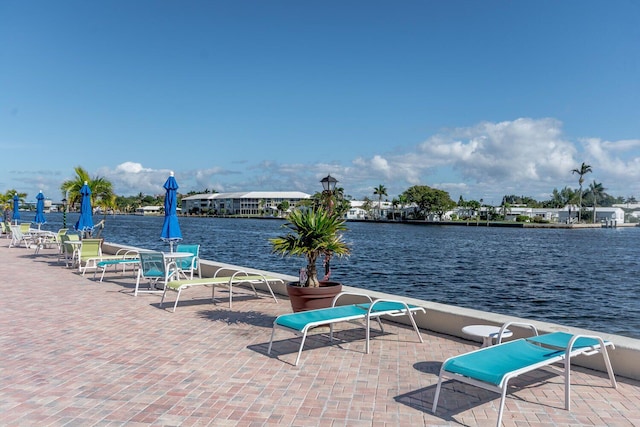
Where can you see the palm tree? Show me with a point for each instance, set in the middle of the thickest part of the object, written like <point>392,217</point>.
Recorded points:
<point>404,201</point>
<point>582,171</point>
<point>101,188</point>
<point>366,205</point>
<point>556,199</point>
<point>380,191</point>
<point>395,202</point>
<point>597,191</point>
<point>506,208</point>
<point>6,202</point>
<point>311,233</point>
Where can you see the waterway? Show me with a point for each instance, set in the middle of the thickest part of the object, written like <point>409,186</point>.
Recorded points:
<point>588,278</point>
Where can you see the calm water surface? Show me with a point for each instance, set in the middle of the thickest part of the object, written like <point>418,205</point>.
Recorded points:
<point>585,278</point>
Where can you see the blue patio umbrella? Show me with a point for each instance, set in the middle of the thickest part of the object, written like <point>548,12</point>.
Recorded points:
<point>40,219</point>
<point>171,228</point>
<point>85,222</point>
<point>16,207</point>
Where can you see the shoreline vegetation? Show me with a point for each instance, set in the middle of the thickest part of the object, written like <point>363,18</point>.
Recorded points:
<point>470,223</point>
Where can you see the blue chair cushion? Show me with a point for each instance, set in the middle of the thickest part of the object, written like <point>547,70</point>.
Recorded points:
<point>491,364</point>
<point>299,321</point>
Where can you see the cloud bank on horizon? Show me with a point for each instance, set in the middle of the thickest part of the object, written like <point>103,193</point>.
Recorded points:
<point>525,156</point>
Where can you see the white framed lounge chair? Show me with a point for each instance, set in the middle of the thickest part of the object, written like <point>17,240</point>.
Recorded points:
<point>237,277</point>
<point>491,368</point>
<point>301,323</point>
<point>123,258</point>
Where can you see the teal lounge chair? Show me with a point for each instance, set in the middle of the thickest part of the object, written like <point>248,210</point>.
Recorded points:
<point>124,257</point>
<point>491,368</point>
<point>300,323</point>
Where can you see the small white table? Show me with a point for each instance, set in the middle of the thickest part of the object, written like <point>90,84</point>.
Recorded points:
<point>486,332</point>
<point>175,256</point>
<point>41,238</point>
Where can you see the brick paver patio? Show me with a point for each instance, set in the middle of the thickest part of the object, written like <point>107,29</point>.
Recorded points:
<point>76,352</point>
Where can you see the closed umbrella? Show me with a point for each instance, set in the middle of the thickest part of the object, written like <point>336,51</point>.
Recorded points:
<point>16,208</point>
<point>40,219</point>
<point>171,228</point>
<point>85,222</point>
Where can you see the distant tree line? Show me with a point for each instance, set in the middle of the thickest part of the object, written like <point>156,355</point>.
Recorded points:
<point>424,201</point>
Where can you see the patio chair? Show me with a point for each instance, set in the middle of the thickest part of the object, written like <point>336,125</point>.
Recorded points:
<point>122,258</point>
<point>236,278</point>
<point>91,256</point>
<point>25,227</point>
<point>302,322</point>
<point>89,251</point>
<point>69,251</point>
<point>5,229</point>
<point>190,264</point>
<point>20,238</point>
<point>57,239</point>
<point>154,269</point>
<point>491,368</point>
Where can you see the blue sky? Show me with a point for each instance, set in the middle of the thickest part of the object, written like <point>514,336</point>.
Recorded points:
<point>478,98</point>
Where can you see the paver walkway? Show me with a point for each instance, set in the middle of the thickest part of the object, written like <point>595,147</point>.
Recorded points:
<point>76,352</point>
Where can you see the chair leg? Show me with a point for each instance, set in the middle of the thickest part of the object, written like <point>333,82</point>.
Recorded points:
<point>135,293</point>
<point>266,282</point>
<point>163,295</point>
<point>177,298</point>
<point>304,337</point>
<point>437,395</point>
<point>273,332</point>
<point>501,410</point>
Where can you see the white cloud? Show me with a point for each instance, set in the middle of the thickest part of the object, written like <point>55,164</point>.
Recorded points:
<point>130,178</point>
<point>524,156</point>
<point>605,158</point>
<point>516,151</point>
<point>379,163</point>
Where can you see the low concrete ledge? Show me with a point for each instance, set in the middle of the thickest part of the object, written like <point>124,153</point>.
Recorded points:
<point>449,319</point>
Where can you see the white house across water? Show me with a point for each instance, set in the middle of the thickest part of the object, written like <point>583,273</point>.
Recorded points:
<point>241,203</point>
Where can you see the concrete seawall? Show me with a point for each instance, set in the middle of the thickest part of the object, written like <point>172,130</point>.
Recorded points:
<point>449,320</point>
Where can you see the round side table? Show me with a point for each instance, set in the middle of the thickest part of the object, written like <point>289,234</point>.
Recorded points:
<point>486,332</point>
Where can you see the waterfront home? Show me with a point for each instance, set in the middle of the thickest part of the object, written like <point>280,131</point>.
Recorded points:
<point>242,203</point>
<point>149,210</point>
<point>603,214</point>
<point>356,213</point>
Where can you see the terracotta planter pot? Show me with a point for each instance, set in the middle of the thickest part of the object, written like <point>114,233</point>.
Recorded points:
<point>303,299</point>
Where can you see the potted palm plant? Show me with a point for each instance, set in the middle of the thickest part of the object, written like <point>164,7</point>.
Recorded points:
<point>313,234</point>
